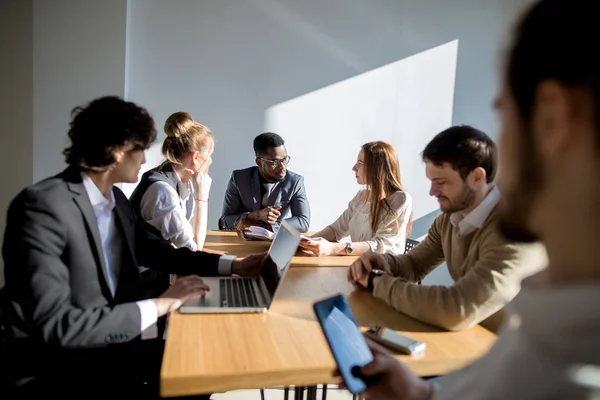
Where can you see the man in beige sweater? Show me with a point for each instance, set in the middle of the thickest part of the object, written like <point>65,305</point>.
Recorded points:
<point>487,269</point>
<point>549,347</point>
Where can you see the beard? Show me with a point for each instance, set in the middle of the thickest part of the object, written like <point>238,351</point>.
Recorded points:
<point>517,203</point>
<point>466,200</point>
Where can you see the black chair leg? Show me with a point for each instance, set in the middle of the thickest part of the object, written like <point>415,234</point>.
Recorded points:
<point>286,393</point>
<point>262,394</point>
<point>324,393</point>
<point>298,392</point>
<point>311,393</point>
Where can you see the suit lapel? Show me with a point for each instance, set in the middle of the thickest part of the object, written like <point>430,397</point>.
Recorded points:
<point>255,183</point>
<point>127,228</point>
<point>130,274</point>
<point>83,202</point>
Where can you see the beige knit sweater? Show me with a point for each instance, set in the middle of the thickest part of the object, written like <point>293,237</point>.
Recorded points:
<point>486,268</point>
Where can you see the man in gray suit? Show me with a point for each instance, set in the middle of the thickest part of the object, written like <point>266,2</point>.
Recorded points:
<point>78,314</point>
<point>268,193</point>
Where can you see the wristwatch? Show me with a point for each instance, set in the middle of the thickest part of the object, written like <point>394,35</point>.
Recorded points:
<point>372,275</point>
<point>348,248</point>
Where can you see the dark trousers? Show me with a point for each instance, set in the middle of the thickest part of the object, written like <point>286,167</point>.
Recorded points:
<point>130,370</point>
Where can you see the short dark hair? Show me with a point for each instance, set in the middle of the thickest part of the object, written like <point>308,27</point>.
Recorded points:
<point>464,148</point>
<point>555,40</point>
<point>265,140</point>
<point>102,126</point>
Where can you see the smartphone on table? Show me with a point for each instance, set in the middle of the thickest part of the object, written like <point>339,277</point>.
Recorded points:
<point>346,341</point>
<point>394,340</point>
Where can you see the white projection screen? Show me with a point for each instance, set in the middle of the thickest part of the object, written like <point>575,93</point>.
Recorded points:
<point>405,103</point>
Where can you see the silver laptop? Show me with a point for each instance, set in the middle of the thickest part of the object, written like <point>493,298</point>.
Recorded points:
<point>249,295</point>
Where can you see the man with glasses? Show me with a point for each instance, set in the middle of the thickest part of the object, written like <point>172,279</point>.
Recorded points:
<point>268,193</point>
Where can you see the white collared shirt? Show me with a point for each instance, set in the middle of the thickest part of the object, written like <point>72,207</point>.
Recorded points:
<point>476,218</point>
<point>166,210</point>
<point>112,249</point>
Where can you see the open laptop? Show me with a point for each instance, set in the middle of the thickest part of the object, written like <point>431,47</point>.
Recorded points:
<point>249,295</point>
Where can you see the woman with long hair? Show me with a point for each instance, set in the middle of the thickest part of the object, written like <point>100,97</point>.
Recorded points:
<point>378,217</point>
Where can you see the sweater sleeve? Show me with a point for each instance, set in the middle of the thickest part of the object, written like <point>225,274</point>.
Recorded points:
<point>421,260</point>
<point>487,287</point>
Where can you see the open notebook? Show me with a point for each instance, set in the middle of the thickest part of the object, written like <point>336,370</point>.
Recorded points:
<point>258,233</point>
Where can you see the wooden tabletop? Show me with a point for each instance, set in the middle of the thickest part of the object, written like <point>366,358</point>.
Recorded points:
<point>221,352</point>
<point>231,243</point>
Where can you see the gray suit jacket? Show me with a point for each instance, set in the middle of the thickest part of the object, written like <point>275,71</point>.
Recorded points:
<point>56,293</point>
<point>243,196</point>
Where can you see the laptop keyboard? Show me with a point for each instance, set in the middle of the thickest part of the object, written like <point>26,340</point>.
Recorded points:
<point>237,292</point>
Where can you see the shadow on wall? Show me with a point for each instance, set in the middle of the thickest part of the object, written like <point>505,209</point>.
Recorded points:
<point>405,103</point>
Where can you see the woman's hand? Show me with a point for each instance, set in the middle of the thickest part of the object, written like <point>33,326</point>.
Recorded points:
<point>322,247</point>
<point>202,182</point>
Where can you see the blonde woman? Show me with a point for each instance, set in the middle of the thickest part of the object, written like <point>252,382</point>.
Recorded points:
<point>173,197</point>
<point>377,218</point>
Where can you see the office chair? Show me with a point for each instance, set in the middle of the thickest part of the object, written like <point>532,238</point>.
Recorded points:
<point>410,244</point>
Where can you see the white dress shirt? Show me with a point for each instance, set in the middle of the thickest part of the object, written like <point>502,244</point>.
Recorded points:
<point>166,210</point>
<point>112,247</point>
<point>476,218</point>
<point>112,243</point>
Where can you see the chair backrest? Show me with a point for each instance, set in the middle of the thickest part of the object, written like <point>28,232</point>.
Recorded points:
<point>3,330</point>
<point>409,244</point>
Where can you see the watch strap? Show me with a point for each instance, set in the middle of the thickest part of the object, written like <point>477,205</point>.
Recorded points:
<point>372,275</point>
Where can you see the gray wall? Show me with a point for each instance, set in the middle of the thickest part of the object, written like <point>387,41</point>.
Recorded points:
<point>225,62</point>
<point>16,102</point>
<point>55,54</point>
<point>79,54</point>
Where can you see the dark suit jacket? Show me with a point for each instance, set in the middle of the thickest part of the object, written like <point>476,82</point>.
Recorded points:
<point>244,195</point>
<point>56,291</point>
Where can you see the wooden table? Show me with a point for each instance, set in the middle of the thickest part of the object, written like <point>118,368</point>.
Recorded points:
<point>231,243</point>
<point>222,352</point>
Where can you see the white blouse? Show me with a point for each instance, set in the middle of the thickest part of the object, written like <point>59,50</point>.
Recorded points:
<point>165,210</point>
<point>390,236</point>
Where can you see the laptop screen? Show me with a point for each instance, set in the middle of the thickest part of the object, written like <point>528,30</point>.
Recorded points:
<point>282,250</point>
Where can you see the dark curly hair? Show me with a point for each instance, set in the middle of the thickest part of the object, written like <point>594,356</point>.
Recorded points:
<point>104,125</point>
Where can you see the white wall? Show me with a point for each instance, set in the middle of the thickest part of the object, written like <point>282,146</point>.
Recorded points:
<point>228,62</point>
<point>404,103</point>
<point>16,103</point>
<point>225,61</point>
<point>79,54</point>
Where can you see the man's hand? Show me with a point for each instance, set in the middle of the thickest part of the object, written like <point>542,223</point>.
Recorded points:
<point>394,379</point>
<point>179,292</point>
<point>249,266</point>
<point>358,273</point>
<point>268,214</point>
<point>241,224</point>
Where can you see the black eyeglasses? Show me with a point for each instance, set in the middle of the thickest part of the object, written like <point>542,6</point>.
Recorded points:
<point>276,163</point>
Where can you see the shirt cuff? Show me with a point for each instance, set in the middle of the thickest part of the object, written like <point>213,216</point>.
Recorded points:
<point>149,316</point>
<point>225,263</point>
